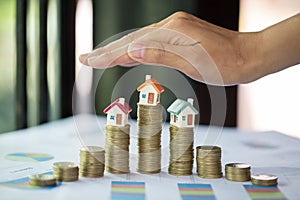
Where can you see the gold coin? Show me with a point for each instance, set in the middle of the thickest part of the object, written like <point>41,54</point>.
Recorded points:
<point>42,180</point>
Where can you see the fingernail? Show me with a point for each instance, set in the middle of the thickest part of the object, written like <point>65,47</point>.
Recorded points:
<point>82,58</point>
<point>136,50</point>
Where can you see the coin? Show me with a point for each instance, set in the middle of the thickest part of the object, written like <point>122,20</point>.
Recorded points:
<point>92,160</point>
<point>117,149</point>
<point>42,180</point>
<point>65,171</point>
<point>149,138</point>
<point>238,172</point>
<point>181,151</point>
<point>264,179</point>
<point>209,161</point>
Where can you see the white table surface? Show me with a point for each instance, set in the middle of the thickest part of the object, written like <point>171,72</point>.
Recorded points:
<point>268,152</point>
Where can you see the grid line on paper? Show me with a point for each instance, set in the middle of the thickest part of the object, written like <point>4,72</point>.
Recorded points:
<point>123,190</point>
<point>264,192</point>
<point>191,191</point>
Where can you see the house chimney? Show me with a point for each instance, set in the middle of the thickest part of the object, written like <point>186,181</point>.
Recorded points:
<point>122,100</point>
<point>148,77</point>
<point>190,100</point>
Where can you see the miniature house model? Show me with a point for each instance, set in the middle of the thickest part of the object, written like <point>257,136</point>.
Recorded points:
<point>117,113</point>
<point>150,91</point>
<point>182,113</point>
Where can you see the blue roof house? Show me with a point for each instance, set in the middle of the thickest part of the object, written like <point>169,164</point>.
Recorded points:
<point>182,113</point>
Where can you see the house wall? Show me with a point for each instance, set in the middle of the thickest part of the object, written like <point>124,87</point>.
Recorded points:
<point>185,113</point>
<point>113,112</point>
<point>180,122</point>
<point>144,95</point>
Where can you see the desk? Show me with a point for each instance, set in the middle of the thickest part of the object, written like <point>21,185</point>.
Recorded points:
<point>268,152</point>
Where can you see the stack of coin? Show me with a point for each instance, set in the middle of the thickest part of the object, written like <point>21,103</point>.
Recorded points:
<point>65,171</point>
<point>237,172</point>
<point>149,138</point>
<point>264,179</point>
<point>209,161</point>
<point>117,149</point>
<point>92,161</point>
<point>181,151</point>
<point>42,180</point>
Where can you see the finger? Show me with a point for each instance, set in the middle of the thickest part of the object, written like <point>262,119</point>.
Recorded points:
<point>120,43</point>
<point>83,57</point>
<point>193,60</point>
<point>112,58</point>
<point>163,54</point>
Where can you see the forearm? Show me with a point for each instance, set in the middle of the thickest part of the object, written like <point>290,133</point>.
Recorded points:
<point>270,50</point>
<point>280,46</point>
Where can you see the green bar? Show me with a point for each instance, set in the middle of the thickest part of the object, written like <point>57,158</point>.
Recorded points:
<point>197,192</point>
<point>129,190</point>
<point>266,195</point>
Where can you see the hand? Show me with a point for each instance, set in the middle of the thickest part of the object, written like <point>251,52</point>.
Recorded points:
<point>203,51</point>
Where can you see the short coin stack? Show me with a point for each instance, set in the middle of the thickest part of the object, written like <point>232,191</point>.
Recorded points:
<point>92,161</point>
<point>209,161</point>
<point>264,179</point>
<point>149,138</point>
<point>181,151</point>
<point>117,149</point>
<point>42,180</point>
<point>65,171</point>
<point>237,172</point>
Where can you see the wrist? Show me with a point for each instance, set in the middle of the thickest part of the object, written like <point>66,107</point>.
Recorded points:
<point>251,51</point>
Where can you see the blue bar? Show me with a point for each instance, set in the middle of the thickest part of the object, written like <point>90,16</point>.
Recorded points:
<point>127,183</point>
<point>191,185</point>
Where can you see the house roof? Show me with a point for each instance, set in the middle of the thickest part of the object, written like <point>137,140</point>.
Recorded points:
<point>125,108</point>
<point>179,105</point>
<point>155,84</point>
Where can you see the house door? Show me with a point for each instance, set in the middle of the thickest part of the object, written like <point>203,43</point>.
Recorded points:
<point>190,120</point>
<point>174,118</point>
<point>119,119</point>
<point>150,98</point>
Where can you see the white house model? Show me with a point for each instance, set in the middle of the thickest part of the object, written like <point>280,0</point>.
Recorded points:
<point>117,113</point>
<point>182,113</point>
<point>150,91</point>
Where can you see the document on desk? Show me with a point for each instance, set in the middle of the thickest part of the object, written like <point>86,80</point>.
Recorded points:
<point>34,150</point>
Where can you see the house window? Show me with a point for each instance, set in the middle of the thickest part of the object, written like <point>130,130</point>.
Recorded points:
<point>112,117</point>
<point>183,118</point>
<point>143,96</point>
<point>176,118</point>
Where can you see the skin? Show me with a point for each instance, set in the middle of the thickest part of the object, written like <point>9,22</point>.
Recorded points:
<point>239,57</point>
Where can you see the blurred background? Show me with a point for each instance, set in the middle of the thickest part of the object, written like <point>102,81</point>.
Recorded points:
<point>42,40</point>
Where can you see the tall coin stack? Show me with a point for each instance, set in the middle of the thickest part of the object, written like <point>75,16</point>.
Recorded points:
<point>237,172</point>
<point>92,161</point>
<point>181,151</point>
<point>65,171</point>
<point>149,138</point>
<point>117,149</point>
<point>209,162</point>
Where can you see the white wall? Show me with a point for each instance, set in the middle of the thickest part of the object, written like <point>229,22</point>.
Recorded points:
<point>273,102</point>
